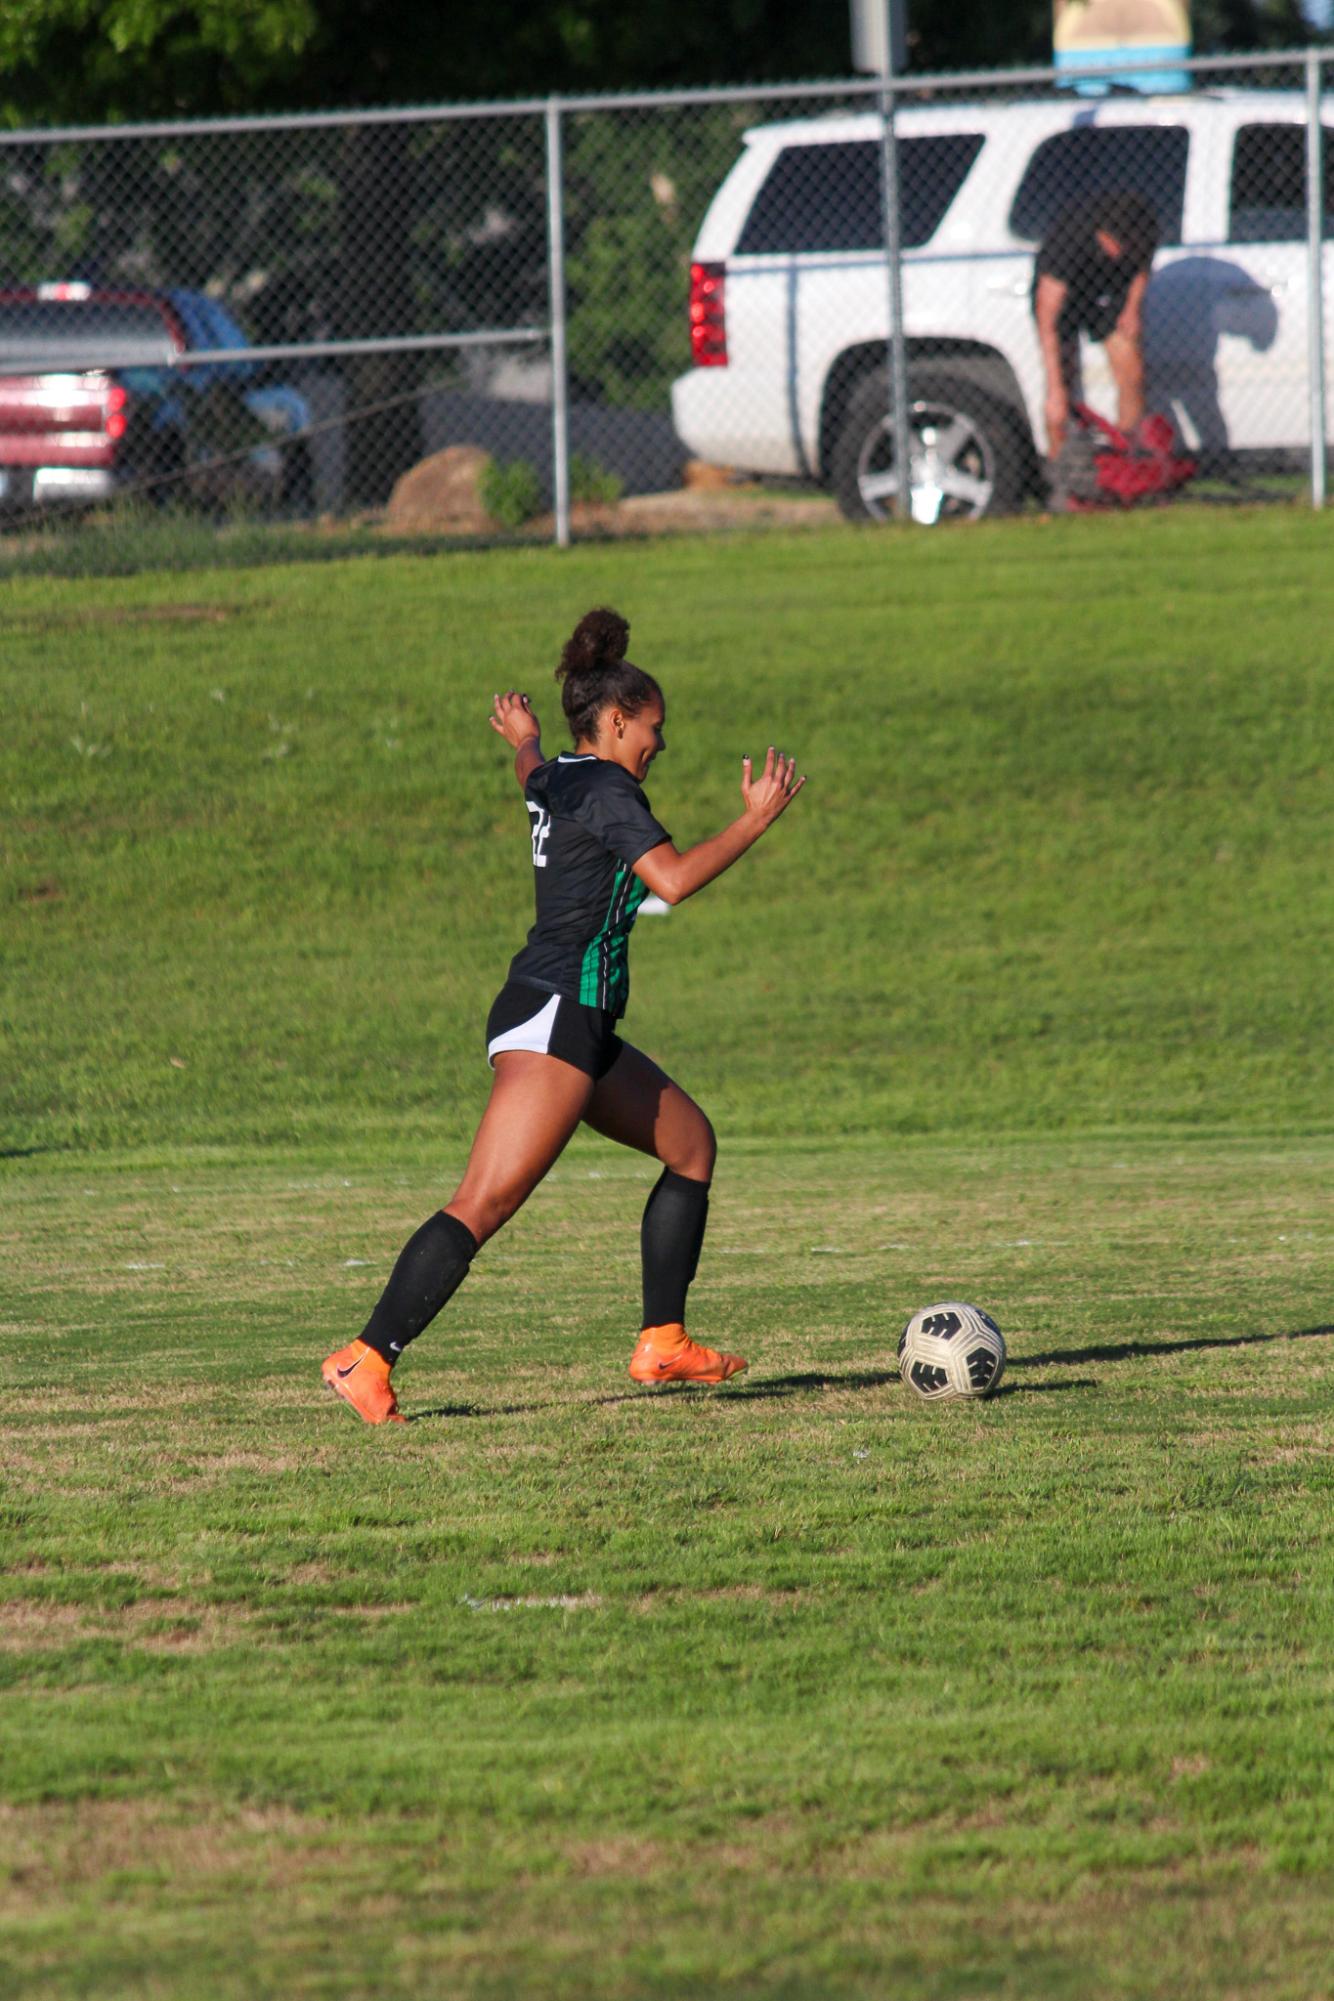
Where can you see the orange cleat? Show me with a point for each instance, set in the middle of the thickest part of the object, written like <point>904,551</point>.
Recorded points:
<point>361,1377</point>
<point>668,1355</point>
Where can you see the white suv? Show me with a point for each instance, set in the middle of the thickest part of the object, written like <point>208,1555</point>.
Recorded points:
<point>789,297</point>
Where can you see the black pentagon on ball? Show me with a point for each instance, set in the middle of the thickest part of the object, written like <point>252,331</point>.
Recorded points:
<point>986,1320</point>
<point>926,1377</point>
<point>943,1325</point>
<point>903,1342</point>
<point>981,1368</point>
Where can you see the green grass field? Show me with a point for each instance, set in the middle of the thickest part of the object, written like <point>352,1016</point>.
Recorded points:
<point>795,1689</point>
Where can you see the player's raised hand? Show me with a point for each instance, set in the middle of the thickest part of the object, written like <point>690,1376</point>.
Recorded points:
<point>776,787</point>
<point>512,717</point>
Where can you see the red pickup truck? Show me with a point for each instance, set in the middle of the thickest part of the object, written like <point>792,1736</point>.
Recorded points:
<point>70,430</point>
<point>96,398</point>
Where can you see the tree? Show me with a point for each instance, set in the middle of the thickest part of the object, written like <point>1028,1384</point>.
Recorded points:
<point>89,60</point>
<point>83,60</point>
<point>1231,27</point>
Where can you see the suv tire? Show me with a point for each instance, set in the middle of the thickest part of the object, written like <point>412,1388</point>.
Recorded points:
<point>968,457</point>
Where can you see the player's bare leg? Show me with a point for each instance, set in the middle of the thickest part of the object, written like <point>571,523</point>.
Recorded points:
<point>638,1105</point>
<point>535,1104</point>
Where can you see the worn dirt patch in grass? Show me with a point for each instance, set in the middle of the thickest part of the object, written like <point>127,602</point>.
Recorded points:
<point>50,1849</point>
<point>392,1611</point>
<point>89,1459</point>
<point>630,1857</point>
<point>69,1405</point>
<point>214,1470</point>
<point>157,1625</point>
<point>649,1602</point>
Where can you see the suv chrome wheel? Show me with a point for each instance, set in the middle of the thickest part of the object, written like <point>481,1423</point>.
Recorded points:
<point>951,474</point>
<point>965,457</point>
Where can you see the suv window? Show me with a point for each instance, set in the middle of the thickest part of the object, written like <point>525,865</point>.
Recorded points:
<point>1147,160</point>
<point>828,197</point>
<point>72,333</point>
<point>1268,195</point>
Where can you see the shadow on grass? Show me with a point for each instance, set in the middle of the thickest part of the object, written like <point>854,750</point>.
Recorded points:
<point>787,1386</point>
<point>780,1386</point>
<point>554,1403</point>
<point>777,1386</point>
<point>1132,1351</point>
<point>1037,1389</point>
<point>473,1410</point>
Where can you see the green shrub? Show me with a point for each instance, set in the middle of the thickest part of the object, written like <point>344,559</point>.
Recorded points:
<point>512,493</point>
<point>594,483</point>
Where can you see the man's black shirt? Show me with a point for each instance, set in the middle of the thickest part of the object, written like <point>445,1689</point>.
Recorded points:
<point>1098,284</point>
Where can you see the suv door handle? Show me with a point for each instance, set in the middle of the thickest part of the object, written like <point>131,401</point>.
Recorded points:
<point>1012,288</point>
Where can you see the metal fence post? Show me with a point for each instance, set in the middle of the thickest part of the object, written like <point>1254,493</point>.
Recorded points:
<point>1315,274</point>
<point>898,357</point>
<point>560,386</point>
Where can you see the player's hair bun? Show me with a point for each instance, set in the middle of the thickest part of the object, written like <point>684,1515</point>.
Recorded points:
<point>597,642</point>
<point>596,675</point>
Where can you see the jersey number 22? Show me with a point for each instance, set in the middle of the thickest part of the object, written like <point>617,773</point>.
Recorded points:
<point>541,828</point>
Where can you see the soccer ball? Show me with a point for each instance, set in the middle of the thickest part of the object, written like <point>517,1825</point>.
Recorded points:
<point>951,1350</point>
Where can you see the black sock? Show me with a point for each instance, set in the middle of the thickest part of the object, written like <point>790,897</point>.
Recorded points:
<point>431,1267</point>
<point>669,1241</point>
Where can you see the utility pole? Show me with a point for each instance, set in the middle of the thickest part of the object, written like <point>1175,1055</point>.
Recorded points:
<point>879,32</point>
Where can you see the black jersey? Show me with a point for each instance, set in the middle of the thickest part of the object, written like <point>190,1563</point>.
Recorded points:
<point>590,825</point>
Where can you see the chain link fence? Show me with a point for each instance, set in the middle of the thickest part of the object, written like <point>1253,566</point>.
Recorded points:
<point>561,317</point>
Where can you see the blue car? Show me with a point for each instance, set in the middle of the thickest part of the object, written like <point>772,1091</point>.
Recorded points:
<point>281,411</point>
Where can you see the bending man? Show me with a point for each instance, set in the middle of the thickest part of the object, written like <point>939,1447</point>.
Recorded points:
<point>1089,277</point>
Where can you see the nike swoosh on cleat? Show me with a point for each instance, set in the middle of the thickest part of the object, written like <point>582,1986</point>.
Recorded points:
<point>350,1367</point>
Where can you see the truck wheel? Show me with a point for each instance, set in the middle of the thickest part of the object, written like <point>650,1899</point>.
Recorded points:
<point>297,493</point>
<point>967,457</point>
<point>161,479</point>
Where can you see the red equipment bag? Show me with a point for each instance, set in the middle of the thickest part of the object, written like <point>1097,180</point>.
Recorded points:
<point>1144,465</point>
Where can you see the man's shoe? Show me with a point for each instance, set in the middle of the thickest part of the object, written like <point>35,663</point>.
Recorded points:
<point>668,1355</point>
<point>360,1377</point>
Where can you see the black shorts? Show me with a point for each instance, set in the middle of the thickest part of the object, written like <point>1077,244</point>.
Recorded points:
<point>524,1017</point>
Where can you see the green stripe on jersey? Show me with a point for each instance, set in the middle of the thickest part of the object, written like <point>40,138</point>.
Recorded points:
<point>604,972</point>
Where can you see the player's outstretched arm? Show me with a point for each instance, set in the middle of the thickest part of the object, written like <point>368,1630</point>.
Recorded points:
<point>673,875</point>
<point>512,717</point>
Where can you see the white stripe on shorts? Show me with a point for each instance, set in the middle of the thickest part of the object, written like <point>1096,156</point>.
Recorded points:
<point>534,1034</point>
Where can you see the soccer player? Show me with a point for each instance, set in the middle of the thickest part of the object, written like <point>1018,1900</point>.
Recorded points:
<point>551,1035</point>
<point>1090,276</point>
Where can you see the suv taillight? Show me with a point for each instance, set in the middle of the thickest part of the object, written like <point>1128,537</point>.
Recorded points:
<point>708,319</point>
<point>117,398</point>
